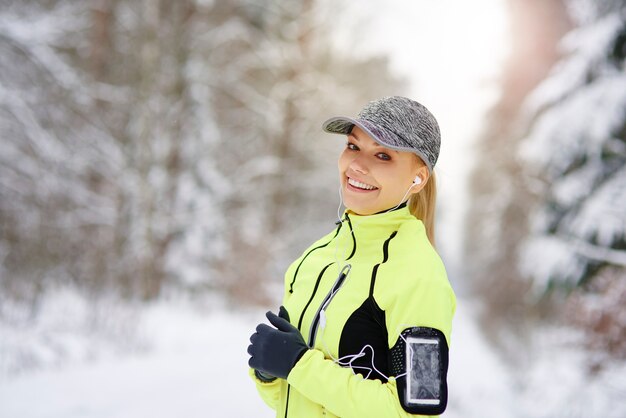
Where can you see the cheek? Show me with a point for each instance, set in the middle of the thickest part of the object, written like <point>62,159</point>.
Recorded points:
<point>396,181</point>
<point>343,162</point>
<point>389,183</point>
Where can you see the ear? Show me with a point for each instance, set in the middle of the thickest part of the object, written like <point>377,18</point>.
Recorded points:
<point>421,178</point>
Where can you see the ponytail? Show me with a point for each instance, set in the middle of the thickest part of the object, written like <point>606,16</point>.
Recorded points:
<point>422,206</point>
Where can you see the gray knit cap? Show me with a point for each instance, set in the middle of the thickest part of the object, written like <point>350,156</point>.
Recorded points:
<point>395,122</point>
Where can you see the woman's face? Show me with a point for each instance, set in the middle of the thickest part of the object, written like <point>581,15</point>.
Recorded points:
<point>374,178</point>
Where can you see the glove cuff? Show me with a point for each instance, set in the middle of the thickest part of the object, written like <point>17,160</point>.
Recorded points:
<point>265,378</point>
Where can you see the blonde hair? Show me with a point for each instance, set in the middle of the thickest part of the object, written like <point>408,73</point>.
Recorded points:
<point>422,206</point>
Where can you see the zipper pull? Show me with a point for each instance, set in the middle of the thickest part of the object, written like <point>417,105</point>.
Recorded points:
<point>322,320</point>
<point>344,272</point>
<point>319,321</point>
<point>340,221</point>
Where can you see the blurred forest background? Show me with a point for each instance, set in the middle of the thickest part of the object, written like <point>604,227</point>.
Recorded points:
<point>150,145</point>
<point>156,147</point>
<point>547,240</point>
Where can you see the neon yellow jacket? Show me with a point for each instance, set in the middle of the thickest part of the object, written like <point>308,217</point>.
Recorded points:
<point>396,281</point>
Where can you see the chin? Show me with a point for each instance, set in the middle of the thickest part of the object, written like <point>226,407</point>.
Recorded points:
<point>363,203</point>
<point>360,209</point>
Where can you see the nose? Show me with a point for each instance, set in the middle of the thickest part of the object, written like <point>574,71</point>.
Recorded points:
<point>357,165</point>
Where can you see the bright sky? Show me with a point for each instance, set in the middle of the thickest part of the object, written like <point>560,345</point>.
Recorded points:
<point>451,51</point>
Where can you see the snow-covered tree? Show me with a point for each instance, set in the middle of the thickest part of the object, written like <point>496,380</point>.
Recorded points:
<point>57,161</point>
<point>497,216</point>
<point>576,152</point>
<point>548,219</point>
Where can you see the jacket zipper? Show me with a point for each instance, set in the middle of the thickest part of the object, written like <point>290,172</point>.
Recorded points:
<point>338,283</point>
<point>316,320</point>
<point>306,307</point>
<point>329,297</point>
<point>307,254</point>
<point>333,291</point>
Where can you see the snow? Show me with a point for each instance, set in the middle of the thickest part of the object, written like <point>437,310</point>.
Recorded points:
<point>562,261</point>
<point>476,375</point>
<point>564,133</point>
<point>90,358</point>
<point>189,359</point>
<point>585,49</point>
<point>194,365</point>
<point>560,384</point>
<point>578,153</point>
<point>610,201</point>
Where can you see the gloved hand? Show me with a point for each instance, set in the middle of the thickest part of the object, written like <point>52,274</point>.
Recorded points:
<point>274,351</point>
<point>264,377</point>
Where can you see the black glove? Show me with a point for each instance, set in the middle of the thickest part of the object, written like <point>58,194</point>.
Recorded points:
<point>274,351</point>
<point>264,377</point>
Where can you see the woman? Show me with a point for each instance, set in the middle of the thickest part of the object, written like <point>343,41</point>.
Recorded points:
<point>367,309</point>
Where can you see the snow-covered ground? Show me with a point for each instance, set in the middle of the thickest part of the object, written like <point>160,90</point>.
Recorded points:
<point>179,361</point>
<point>189,359</point>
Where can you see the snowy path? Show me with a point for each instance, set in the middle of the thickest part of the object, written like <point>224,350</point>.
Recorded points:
<point>197,368</point>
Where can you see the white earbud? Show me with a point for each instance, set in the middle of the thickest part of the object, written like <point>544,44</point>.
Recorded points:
<point>417,180</point>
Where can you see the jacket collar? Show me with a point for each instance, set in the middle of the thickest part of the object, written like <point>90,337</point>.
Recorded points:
<point>379,223</point>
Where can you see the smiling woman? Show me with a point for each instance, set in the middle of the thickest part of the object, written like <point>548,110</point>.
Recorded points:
<point>371,297</point>
<point>375,178</point>
<point>409,130</point>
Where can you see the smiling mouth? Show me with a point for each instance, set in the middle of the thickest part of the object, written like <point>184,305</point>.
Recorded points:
<point>359,185</point>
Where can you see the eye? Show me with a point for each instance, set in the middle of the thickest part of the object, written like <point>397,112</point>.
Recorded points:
<point>351,146</point>
<point>383,156</point>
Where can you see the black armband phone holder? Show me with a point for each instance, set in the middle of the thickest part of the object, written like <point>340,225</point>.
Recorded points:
<point>419,360</point>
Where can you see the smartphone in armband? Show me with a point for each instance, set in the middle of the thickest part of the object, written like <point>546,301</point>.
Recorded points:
<point>423,371</point>
<point>420,359</point>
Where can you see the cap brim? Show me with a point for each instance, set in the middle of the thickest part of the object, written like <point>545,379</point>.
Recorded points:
<point>343,125</point>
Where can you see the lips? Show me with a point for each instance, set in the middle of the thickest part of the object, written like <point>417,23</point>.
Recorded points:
<point>356,184</point>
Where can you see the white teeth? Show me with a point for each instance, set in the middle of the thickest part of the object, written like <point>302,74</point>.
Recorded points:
<point>360,185</point>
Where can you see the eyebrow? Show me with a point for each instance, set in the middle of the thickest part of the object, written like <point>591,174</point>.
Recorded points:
<point>357,138</point>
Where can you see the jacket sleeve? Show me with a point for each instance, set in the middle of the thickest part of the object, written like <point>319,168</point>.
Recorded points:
<point>347,394</point>
<point>269,391</point>
<point>342,392</point>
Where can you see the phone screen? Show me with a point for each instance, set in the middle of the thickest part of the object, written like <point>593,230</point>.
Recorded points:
<point>423,371</point>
